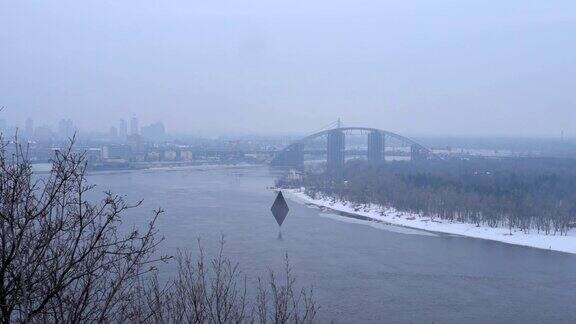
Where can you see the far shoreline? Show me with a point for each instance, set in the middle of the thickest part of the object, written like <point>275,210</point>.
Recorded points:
<point>45,167</point>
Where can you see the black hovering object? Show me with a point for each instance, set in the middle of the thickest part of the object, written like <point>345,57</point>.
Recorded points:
<point>280,208</point>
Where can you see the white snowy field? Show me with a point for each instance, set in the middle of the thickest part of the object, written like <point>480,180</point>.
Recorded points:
<point>391,216</point>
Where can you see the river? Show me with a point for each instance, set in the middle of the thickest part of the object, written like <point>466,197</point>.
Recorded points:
<point>361,271</point>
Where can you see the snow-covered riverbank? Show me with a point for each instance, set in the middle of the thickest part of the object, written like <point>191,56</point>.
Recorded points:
<point>392,216</point>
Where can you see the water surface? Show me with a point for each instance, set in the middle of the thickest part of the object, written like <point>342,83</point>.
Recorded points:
<point>362,271</point>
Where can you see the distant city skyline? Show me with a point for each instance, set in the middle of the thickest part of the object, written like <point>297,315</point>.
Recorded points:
<point>124,127</point>
<point>66,128</point>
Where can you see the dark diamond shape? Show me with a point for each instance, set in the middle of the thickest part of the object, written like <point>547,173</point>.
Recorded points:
<point>280,208</point>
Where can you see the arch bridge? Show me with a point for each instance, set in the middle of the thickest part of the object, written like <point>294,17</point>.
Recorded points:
<point>380,145</point>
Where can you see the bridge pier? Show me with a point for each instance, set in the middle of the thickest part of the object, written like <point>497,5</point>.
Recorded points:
<point>335,151</point>
<point>376,143</point>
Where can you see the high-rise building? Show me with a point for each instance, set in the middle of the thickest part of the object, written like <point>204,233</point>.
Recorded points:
<point>123,129</point>
<point>134,129</point>
<point>29,128</point>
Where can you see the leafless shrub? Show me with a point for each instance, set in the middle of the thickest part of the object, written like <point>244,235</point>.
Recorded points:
<point>216,292</point>
<point>285,305</point>
<point>64,259</point>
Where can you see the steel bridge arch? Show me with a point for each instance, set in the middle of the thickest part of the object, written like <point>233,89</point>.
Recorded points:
<point>400,138</point>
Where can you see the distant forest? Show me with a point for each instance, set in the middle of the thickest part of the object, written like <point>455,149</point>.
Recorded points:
<point>519,193</point>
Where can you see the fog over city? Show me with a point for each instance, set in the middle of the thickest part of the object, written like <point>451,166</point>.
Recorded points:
<point>287,161</point>
<point>261,67</point>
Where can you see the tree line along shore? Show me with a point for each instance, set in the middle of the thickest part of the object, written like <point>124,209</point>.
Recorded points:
<point>526,194</point>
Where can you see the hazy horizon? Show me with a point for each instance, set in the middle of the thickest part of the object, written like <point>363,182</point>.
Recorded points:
<point>480,68</point>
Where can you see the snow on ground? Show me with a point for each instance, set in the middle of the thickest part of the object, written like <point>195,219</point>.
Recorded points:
<point>394,217</point>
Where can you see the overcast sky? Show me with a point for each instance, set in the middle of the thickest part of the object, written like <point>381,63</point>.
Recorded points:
<point>475,67</point>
